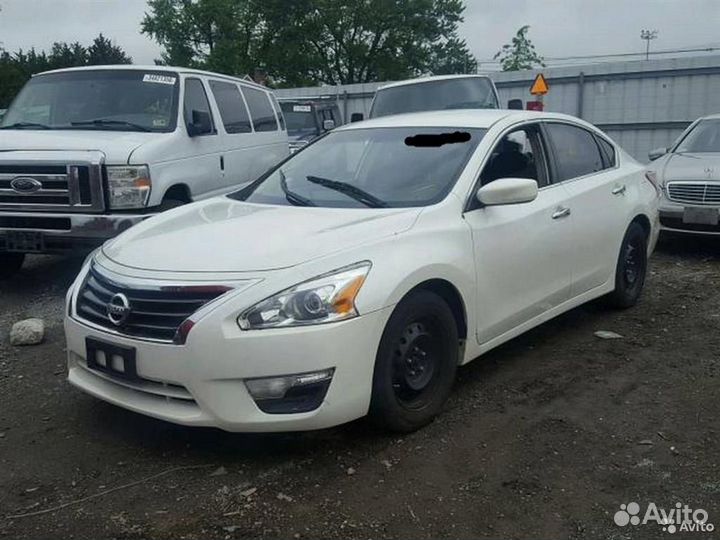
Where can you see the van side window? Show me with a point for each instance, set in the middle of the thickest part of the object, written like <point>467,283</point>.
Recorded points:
<point>576,152</point>
<point>195,100</point>
<point>263,115</point>
<point>279,112</point>
<point>234,115</point>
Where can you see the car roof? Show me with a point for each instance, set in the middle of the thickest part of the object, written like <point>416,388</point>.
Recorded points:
<point>715,116</point>
<point>421,80</point>
<point>460,118</point>
<point>171,69</point>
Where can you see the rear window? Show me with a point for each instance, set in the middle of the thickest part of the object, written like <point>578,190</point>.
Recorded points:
<point>232,108</point>
<point>263,115</point>
<point>462,93</point>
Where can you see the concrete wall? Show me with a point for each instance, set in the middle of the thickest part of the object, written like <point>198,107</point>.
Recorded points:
<point>640,104</point>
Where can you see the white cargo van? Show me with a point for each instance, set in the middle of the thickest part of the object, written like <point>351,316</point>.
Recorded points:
<point>86,153</point>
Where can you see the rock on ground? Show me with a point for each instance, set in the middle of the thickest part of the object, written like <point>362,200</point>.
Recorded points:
<point>27,332</point>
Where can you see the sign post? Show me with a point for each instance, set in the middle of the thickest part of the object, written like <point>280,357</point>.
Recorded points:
<point>539,88</point>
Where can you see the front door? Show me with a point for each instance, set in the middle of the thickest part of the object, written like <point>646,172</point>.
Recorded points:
<point>523,252</point>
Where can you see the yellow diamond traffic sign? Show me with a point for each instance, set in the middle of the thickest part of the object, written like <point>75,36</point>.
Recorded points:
<point>539,86</point>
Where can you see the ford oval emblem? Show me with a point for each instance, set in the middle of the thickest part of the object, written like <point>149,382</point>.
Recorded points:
<point>118,309</point>
<point>25,184</point>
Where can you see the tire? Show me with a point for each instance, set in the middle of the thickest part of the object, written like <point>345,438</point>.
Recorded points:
<point>169,204</point>
<point>416,363</point>
<point>10,263</point>
<point>631,269</point>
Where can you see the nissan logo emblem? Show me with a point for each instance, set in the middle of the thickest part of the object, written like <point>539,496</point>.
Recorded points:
<point>118,309</point>
<point>25,184</point>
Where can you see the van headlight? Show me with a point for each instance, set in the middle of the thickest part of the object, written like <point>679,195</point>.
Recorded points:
<point>128,186</point>
<point>324,299</point>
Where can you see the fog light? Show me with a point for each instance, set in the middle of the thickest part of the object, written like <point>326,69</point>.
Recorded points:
<point>302,392</point>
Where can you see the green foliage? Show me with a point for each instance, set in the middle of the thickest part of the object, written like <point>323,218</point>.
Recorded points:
<point>304,42</point>
<point>16,68</point>
<point>520,53</point>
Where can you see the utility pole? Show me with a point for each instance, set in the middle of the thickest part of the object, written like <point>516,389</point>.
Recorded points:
<point>648,35</point>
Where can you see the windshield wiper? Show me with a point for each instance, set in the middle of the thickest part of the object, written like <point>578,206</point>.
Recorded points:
<point>291,196</point>
<point>22,125</point>
<point>351,191</point>
<point>101,122</point>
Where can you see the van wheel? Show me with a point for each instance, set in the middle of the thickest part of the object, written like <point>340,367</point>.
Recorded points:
<point>10,263</point>
<point>416,363</point>
<point>631,269</point>
<point>168,204</point>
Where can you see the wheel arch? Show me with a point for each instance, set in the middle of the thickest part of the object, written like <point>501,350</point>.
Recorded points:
<point>451,295</point>
<point>179,192</point>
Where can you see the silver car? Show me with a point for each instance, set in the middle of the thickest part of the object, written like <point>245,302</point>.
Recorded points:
<point>688,174</point>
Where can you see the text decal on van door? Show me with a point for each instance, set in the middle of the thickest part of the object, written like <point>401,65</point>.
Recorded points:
<point>160,79</point>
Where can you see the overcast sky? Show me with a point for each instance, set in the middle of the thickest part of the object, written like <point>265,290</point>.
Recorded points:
<point>559,28</point>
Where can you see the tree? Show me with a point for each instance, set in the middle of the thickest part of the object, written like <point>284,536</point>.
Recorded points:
<point>16,68</point>
<point>520,53</point>
<point>104,52</point>
<point>312,41</point>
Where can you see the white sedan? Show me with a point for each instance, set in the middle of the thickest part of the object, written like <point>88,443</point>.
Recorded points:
<point>354,277</point>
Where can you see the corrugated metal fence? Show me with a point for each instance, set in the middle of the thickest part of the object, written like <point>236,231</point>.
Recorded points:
<point>640,104</point>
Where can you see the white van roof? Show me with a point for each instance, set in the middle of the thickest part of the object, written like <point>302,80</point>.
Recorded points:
<point>421,80</point>
<point>134,67</point>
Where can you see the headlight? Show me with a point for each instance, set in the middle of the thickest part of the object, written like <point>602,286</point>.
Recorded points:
<point>327,298</point>
<point>129,186</point>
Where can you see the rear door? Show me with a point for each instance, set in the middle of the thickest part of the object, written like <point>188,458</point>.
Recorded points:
<point>238,139</point>
<point>587,165</point>
<point>523,252</point>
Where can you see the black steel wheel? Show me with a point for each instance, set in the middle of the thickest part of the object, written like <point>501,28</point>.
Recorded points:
<point>416,363</point>
<point>631,268</point>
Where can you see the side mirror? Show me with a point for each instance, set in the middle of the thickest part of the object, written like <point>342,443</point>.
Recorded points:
<point>508,191</point>
<point>201,124</point>
<point>328,125</point>
<point>515,104</point>
<point>357,117</point>
<point>656,153</point>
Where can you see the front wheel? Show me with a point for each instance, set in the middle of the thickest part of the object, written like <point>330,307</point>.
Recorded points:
<point>415,364</point>
<point>10,263</point>
<point>631,269</point>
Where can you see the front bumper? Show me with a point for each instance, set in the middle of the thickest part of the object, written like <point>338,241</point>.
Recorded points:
<point>65,231</point>
<point>671,220</point>
<point>202,383</point>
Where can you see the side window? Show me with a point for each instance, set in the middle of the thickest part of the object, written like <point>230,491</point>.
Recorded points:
<point>608,152</point>
<point>576,152</point>
<point>519,154</point>
<point>233,113</point>
<point>195,100</point>
<point>262,112</point>
<point>279,112</point>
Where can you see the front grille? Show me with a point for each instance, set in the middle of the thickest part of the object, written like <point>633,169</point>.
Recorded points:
<point>155,313</point>
<point>694,192</point>
<point>64,186</point>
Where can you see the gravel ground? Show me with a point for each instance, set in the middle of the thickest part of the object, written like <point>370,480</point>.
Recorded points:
<point>544,437</point>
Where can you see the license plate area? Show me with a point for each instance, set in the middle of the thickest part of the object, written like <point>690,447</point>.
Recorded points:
<point>112,359</point>
<point>701,216</point>
<point>24,241</point>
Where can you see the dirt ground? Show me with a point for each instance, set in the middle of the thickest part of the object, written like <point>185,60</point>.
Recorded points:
<point>544,437</point>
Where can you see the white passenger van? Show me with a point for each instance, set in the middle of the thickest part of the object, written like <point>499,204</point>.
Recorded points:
<point>86,153</point>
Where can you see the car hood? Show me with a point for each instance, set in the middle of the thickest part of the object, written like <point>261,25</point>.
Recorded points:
<point>116,145</point>
<point>703,167</point>
<point>224,235</point>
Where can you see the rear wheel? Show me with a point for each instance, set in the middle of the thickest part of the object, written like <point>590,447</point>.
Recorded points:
<point>631,269</point>
<point>416,363</point>
<point>10,263</point>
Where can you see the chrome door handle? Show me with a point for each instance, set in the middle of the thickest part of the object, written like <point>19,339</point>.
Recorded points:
<point>619,190</point>
<point>561,212</point>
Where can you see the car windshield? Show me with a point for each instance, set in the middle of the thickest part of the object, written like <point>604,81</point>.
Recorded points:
<point>704,137</point>
<point>118,100</point>
<point>373,168</point>
<point>300,118</point>
<point>456,93</point>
